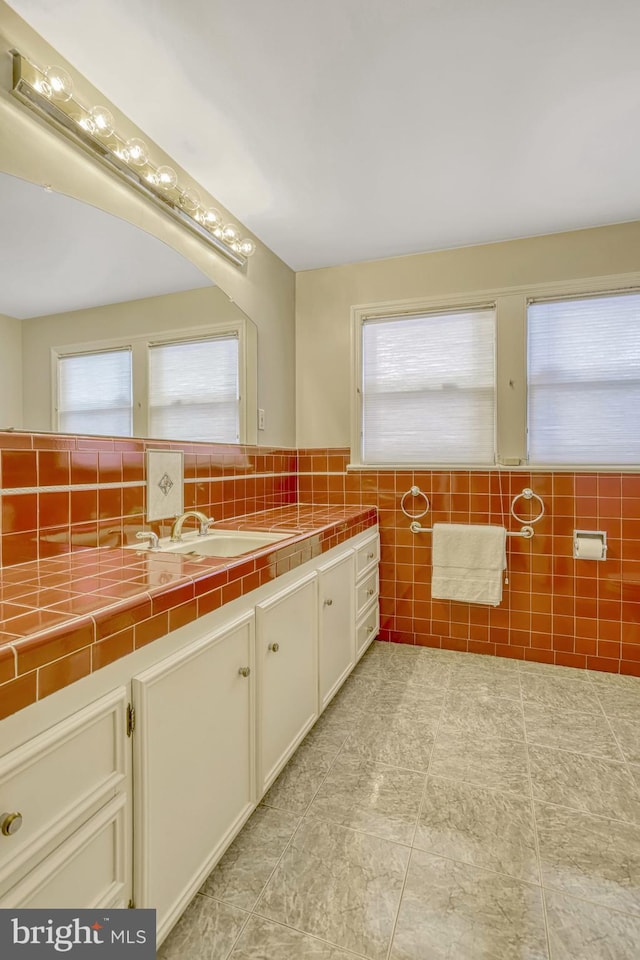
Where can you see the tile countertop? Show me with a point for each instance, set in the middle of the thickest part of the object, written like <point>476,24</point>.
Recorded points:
<point>68,616</point>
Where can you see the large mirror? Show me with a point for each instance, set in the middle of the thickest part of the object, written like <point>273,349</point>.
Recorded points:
<point>76,282</point>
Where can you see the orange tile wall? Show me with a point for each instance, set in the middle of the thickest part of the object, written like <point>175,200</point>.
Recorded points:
<point>555,609</point>
<point>62,490</point>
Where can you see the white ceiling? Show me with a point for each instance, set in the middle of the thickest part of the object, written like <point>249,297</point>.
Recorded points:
<point>344,130</point>
<point>58,255</point>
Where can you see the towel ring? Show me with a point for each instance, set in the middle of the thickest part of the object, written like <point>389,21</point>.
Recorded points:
<point>528,494</point>
<point>415,492</point>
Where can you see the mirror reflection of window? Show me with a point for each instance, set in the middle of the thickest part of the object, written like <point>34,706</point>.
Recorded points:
<point>191,389</point>
<point>88,283</point>
<point>194,390</point>
<point>95,393</point>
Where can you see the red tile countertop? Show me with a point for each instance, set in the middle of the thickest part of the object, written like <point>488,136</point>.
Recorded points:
<point>68,616</point>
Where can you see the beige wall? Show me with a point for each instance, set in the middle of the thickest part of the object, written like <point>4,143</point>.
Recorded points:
<point>150,315</point>
<point>324,299</point>
<point>10,372</point>
<point>265,291</point>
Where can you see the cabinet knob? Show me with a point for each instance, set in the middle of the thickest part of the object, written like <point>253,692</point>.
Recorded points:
<point>274,647</point>
<point>370,556</point>
<point>370,629</point>
<point>10,823</point>
<point>244,671</point>
<point>370,591</point>
<point>328,603</point>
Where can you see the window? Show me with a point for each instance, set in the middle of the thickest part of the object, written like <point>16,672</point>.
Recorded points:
<point>95,393</point>
<point>193,384</point>
<point>584,380</point>
<point>538,376</point>
<point>194,389</point>
<point>427,388</point>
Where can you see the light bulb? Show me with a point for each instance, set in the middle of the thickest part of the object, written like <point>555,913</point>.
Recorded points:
<point>211,219</point>
<point>247,247</point>
<point>166,178</point>
<point>230,234</point>
<point>103,122</point>
<point>57,84</point>
<point>137,152</point>
<point>189,200</point>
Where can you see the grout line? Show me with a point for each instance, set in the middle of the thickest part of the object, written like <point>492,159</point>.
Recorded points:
<point>536,838</point>
<point>119,484</point>
<point>223,903</point>
<point>311,936</point>
<point>626,762</point>
<point>415,828</point>
<point>70,488</point>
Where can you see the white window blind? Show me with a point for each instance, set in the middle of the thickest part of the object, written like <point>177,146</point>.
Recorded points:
<point>428,388</point>
<point>584,380</point>
<point>95,394</point>
<point>194,390</point>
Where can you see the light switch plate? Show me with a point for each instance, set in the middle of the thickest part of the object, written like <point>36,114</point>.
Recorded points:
<point>165,484</point>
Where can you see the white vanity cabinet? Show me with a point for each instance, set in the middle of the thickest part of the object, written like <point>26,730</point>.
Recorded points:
<point>71,786</point>
<point>336,649</point>
<point>194,760</point>
<point>220,705</point>
<point>287,667</point>
<point>367,593</point>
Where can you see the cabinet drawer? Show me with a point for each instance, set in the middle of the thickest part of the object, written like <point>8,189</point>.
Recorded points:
<point>366,590</point>
<point>61,777</point>
<point>367,555</point>
<point>90,869</point>
<point>367,629</point>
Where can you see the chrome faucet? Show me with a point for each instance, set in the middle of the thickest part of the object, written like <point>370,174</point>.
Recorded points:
<point>203,524</point>
<point>149,535</point>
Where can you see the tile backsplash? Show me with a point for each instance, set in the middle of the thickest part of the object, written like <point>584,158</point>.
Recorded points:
<point>58,491</point>
<point>86,491</point>
<point>555,609</point>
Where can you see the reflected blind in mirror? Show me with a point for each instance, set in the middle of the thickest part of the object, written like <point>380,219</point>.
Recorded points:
<point>428,388</point>
<point>584,380</point>
<point>95,393</point>
<point>194,390</point>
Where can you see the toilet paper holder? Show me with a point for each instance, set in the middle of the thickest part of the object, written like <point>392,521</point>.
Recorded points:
<point>593,543</point>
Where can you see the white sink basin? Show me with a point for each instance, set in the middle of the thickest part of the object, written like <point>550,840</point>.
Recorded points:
<point>220,543</point>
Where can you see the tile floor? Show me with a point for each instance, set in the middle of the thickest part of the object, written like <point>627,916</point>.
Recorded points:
<point>445,807</point>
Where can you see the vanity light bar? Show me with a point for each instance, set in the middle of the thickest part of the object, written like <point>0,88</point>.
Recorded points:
<point>48,94</point>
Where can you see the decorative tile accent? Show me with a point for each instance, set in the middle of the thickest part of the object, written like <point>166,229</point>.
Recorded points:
<point>165,482</point>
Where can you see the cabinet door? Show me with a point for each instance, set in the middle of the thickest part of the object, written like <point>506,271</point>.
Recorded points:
<point>194,764</point>
<point>287,653</point>
<point>57,780</point>
<point>337,624</point>
<point>90,869</point>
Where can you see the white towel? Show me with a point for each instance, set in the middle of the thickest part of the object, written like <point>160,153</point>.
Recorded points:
<point>468,560</point>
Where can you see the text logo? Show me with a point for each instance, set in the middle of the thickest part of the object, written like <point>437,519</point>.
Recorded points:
<point>80,934</point>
